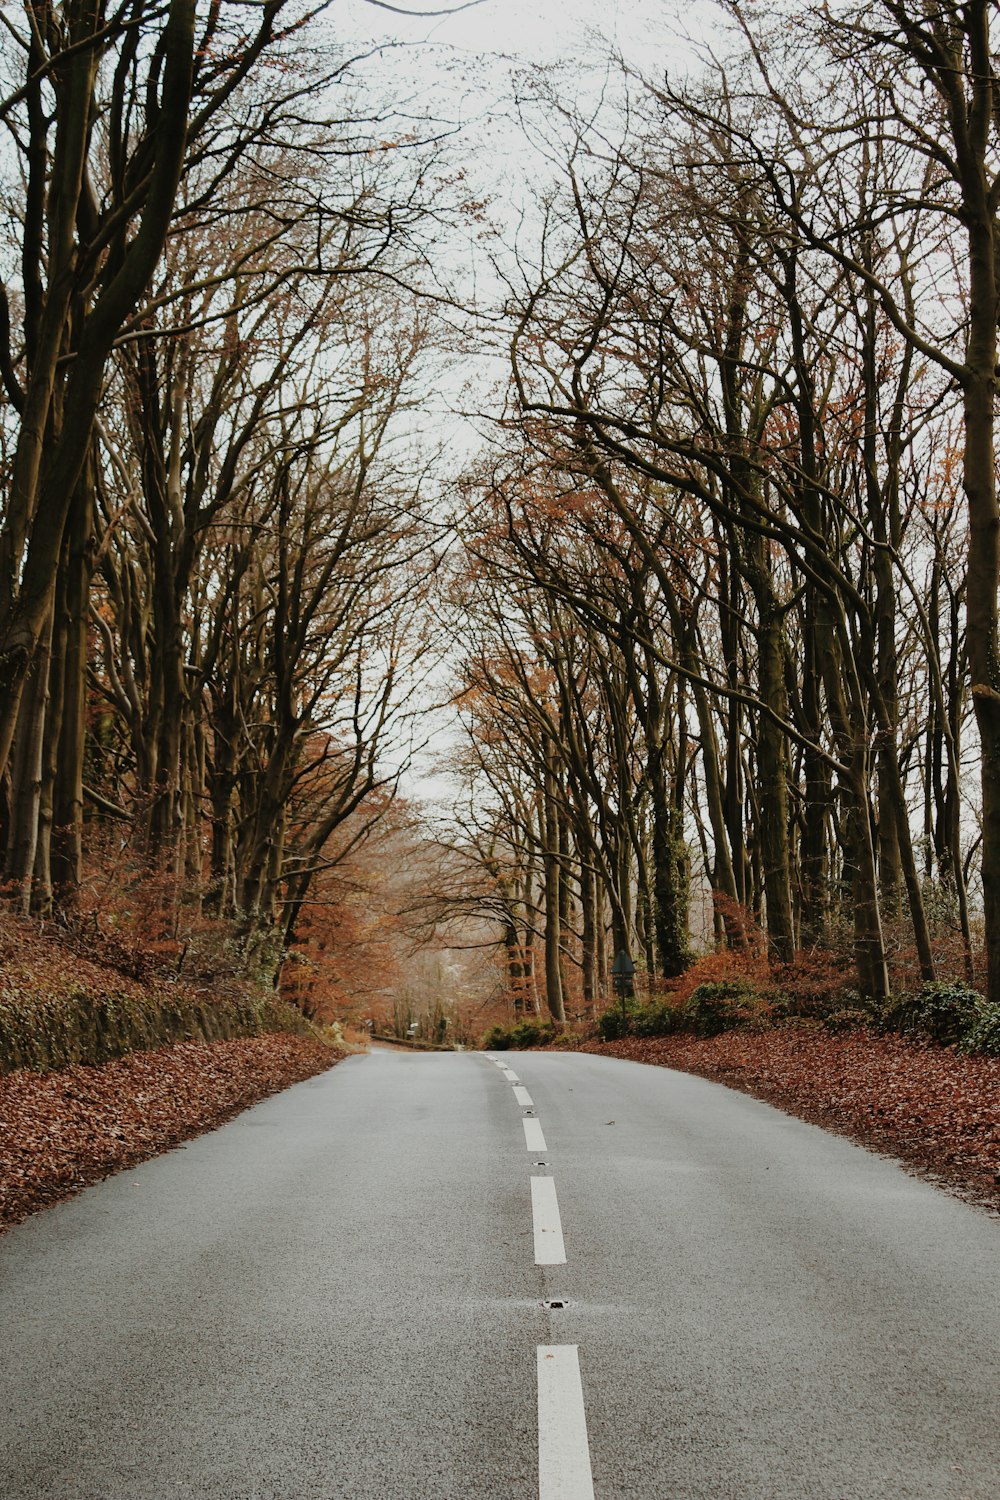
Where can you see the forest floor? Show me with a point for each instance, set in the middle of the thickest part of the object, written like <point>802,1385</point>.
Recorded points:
<point>62,1131</point>
<point>935,1110</point>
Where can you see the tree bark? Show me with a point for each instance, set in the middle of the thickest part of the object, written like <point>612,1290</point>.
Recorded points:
<point>551,877</point>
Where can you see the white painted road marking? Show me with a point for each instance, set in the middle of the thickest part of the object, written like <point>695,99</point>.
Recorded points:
<point>549,1247</point>
<point>563,1449</point>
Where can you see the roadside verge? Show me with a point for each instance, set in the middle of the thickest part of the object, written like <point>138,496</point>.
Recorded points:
<point>62,1131</point>
<point>935,1110</point>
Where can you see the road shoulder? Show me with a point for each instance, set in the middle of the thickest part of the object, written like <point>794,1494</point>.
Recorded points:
<point>927,1106</point>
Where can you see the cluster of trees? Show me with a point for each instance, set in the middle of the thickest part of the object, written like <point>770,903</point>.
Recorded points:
<point>733,566</point>
<point>214,533</point>
<point>725,584</point>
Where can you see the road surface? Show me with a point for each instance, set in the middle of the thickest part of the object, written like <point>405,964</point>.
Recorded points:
<point>341,1296</point>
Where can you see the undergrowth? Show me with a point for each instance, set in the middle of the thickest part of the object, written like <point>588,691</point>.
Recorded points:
<point>946,1013</point>
<point>726,991</point>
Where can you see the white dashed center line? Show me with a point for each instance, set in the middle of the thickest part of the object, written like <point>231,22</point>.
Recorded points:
<point>563,1449</point>
<point>549,1247</point>
<point>563,1446</point>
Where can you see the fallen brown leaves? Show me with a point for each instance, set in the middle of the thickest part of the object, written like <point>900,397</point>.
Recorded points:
<point>935,1110</point>
<point>61,1131</point>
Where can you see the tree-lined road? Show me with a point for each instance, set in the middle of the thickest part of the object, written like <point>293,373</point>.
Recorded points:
<point>336,1297</point>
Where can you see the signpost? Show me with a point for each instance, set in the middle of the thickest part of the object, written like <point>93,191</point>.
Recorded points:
<point>622,972</point>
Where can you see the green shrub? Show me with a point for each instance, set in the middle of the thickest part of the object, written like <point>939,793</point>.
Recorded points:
<point>659,1018</point>
<point>714,1008</point>
<point>524,1034</point>
<point>983,1036</point>
<point>497,1039</point>
<point>616,1021</point>
<point>943,1012</point>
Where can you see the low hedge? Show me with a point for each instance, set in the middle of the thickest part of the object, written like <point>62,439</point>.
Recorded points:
<point>82,1028</point>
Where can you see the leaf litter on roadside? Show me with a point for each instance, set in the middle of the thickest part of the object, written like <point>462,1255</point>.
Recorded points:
<point>61,1131</point>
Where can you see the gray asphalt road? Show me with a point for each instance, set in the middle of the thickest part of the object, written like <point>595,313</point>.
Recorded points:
<point>336,1297</point>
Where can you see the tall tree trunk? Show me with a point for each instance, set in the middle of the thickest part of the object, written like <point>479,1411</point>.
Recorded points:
<point>850,734</point>
<point>552,895</point>
<point>67,834</point>
<point>512,948</point>
<point>983,639</point>
<point>27,770</point>
<point>588,903</point>
<point>859,860</point>
<point>772,767</point>
<point>813,860</point>
<point>166,809</point>
<point>41,899</point>
<point>670,886</point>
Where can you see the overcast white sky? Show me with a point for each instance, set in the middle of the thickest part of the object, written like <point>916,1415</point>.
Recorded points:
<point>466,69</point>
<point>466,59</point>
<point>529,30</point>
<point>466,72</point>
